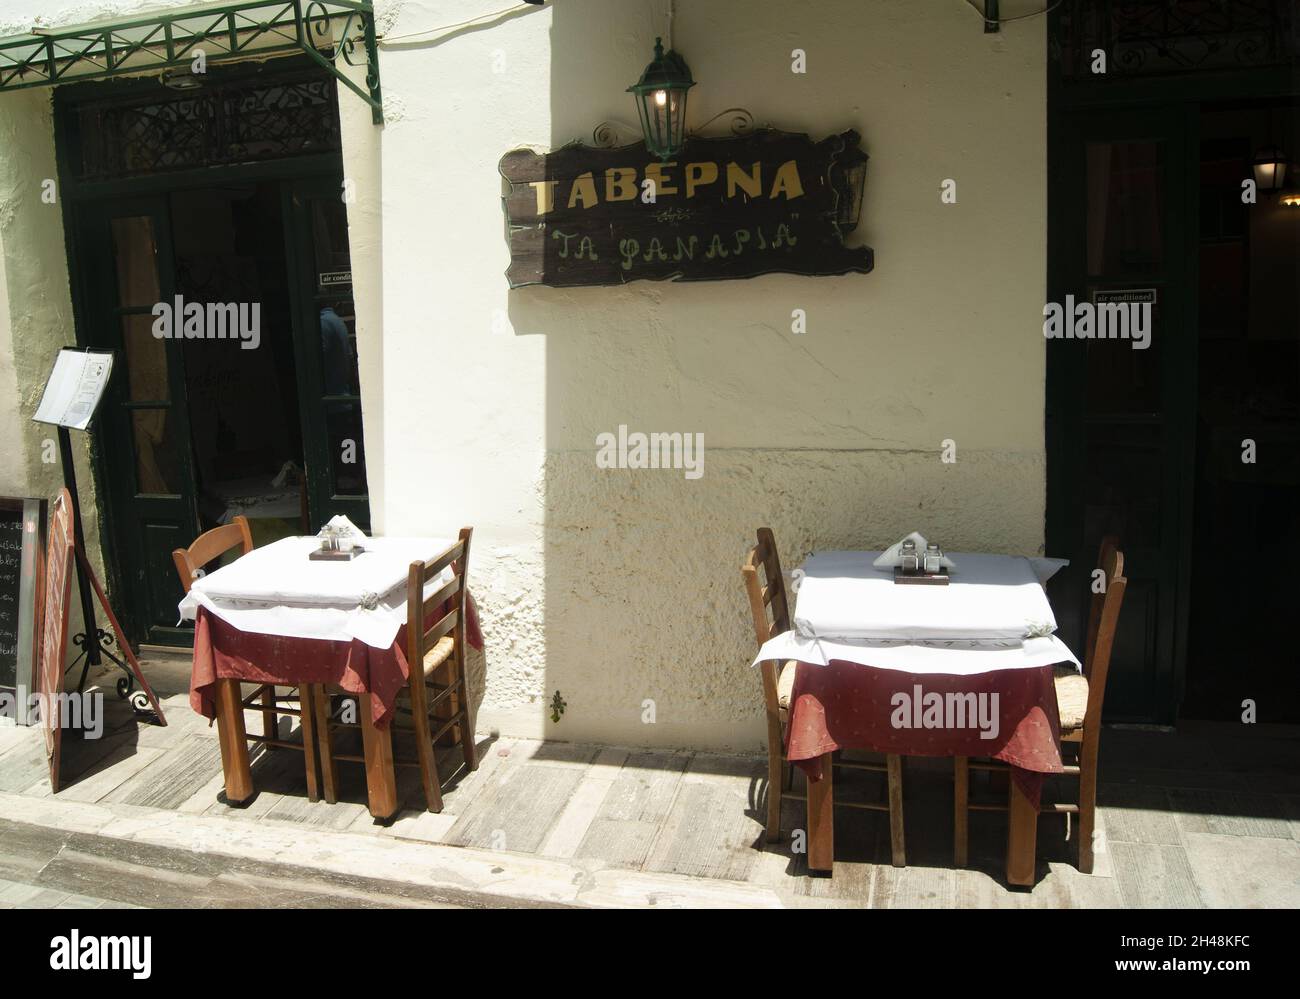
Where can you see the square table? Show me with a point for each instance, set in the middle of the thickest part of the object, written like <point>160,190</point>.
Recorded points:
<point>276,616</point>
<point>867,647</point>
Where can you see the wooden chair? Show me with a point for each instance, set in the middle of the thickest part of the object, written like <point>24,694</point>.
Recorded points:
<point>1079,699</point>
<point>771,612</point>
<point>438,694</point>
<point>264,698</point>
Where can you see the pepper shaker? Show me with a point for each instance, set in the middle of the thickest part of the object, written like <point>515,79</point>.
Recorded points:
<point>911,562</point>
<point>933,556</point>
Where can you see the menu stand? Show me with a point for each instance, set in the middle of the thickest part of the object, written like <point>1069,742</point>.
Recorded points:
<point>72,395</point>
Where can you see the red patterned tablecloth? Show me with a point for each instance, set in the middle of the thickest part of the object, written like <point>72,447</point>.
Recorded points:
<point>849,706</point>
<point>222,651</point>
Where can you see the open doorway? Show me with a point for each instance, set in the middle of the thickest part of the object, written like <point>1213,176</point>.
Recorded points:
<point>245,431</point>
<point>1247,475</point>
<point>1185,447</point>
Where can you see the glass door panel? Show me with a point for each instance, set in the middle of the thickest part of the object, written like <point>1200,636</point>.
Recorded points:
<point>143,432</point>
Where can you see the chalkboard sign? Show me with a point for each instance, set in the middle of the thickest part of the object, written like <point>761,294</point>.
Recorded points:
<point>21,523</point>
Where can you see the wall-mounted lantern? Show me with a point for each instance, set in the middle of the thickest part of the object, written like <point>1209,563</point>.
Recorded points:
<point>661,101</point>
<point>1270,169</point>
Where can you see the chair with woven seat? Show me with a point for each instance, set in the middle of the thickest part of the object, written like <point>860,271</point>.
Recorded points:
<point>265,698</point>
<point>438,697</point>
<point>1079,700</point>
<point>770,608</point>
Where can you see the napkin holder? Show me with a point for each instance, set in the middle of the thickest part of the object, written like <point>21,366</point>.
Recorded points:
<point>923,569</point>
<point>920,576</point>
<point>331,549</point>
<point>334,554</point>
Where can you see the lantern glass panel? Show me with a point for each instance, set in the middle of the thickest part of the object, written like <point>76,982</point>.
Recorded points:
<point>1269,176</point>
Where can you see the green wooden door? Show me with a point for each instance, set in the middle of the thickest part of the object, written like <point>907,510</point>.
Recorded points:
<point>1120,420</point>
<point>329,389</point>
<point>143,428</point>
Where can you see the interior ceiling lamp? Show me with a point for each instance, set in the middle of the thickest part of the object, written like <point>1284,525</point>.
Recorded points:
<point>661,101</point>
<point>1270,169</point>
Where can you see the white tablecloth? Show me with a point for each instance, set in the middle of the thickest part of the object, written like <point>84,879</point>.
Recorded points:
<point>278,590</point>
<point>843,597</point>
<point>992,615</point>
<point>921,656</point>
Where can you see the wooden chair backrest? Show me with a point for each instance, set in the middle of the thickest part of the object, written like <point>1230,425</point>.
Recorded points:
<point>767,599</point>
<point>421,631</point>
<point>765,586</point>
<point>209,545</point>
<point>1103,617</point>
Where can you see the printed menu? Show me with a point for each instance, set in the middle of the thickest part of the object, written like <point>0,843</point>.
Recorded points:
<point>74,388</point>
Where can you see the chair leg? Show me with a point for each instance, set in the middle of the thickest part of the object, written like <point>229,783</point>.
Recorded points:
<point>270,720</point>
<point>894,763</point>
<point>467,746</point>
<point>424,743</point>
<point>776,769</point>
<point>960,812</point>
<point>1087,799</point>
<point>319,706</point>
<point>447,708</point>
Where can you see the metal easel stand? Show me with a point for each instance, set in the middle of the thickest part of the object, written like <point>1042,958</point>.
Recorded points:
<point>95,643</point>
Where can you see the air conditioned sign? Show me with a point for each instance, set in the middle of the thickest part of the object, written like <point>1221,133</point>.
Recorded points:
<point>724,208</point>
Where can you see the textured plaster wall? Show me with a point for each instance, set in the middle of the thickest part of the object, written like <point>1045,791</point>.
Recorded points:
<point>482,405</point>
<point>35,310</point>
<point>614,587</point>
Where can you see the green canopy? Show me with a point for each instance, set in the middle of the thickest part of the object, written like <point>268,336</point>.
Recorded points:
<point>324,30</point>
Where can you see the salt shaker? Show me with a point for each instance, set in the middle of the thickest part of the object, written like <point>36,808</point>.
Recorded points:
<point>933,556</point>
<point>911,562</point>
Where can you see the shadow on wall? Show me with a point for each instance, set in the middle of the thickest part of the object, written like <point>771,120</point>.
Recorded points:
<point>648,637</point>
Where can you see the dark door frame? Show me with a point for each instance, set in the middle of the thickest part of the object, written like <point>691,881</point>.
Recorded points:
<point>1163,565</point>
<point>112,433</point>
<point>80,200</point>
<point>1183,95</point>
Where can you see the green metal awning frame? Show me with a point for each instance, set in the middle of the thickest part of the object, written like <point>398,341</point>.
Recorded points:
<point>323,30</point>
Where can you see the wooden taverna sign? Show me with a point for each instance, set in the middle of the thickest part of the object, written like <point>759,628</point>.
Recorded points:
<point>724,208</point>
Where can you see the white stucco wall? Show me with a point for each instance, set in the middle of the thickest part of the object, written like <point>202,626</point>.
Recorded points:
<point>614,587</point>
<point>35,313</point>
<point>482,405</point>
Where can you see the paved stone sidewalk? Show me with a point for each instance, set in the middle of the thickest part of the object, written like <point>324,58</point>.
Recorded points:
<point>1205,817</point>
<point>18,895</point>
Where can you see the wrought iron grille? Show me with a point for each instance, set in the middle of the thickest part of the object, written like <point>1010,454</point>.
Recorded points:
<point>1160,37</point>
<point>236,122</point>
<point>326,31</point>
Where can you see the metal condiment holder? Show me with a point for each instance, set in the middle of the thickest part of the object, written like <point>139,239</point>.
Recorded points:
<point>926,569</point>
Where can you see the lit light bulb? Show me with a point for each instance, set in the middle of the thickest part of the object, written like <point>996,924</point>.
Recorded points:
<point>661,97</point>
